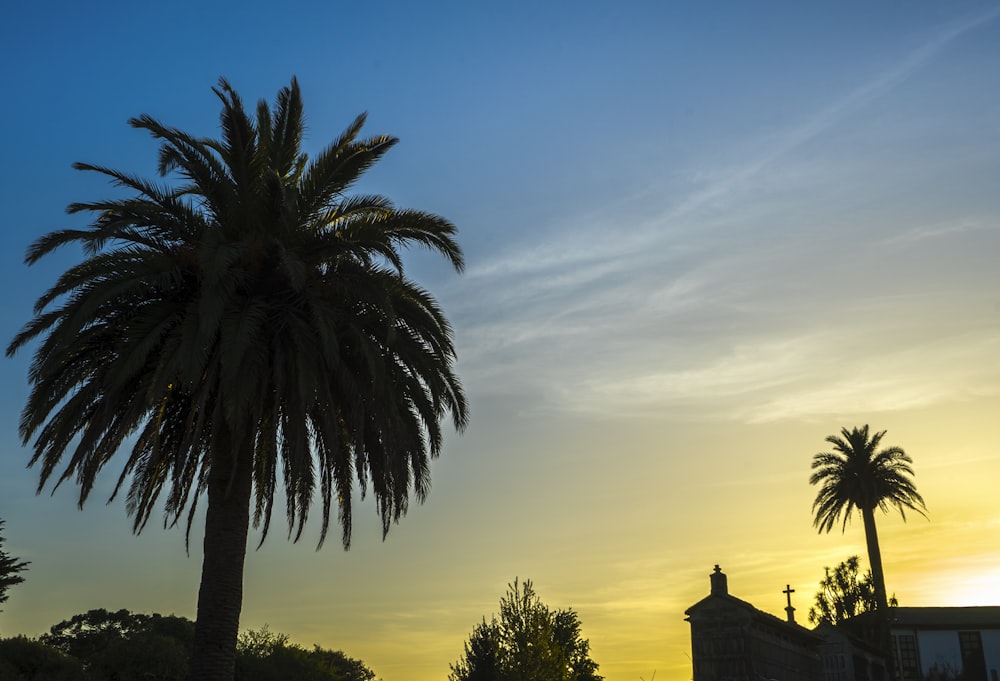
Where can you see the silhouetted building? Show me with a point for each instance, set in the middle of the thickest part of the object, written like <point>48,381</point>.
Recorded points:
<point>731,640</point>
<point>847,657</point>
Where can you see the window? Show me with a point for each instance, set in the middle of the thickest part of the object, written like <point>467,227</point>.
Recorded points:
<point>973,660</point>
<point>907,660</point>
<point>835,667</point>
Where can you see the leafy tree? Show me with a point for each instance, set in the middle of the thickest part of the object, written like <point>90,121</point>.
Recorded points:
<point>85,634</point>
<point>483,659</point>
<point>259,642</point>
<point>250,326</point>
<point>566,632</point>
<point>844,593</point>
<point>858,475</point>
<point>125,646</point>
<point>144,656</point>
<point>24,659</point>
<point>88,635</point>
<point>338,666</point>
<point>263,655</point>
<point>527,642</point>
<point>10,569</point>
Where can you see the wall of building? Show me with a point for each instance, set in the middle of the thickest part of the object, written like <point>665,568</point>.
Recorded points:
<point>991,644</point>
<point>939,652</point>
<point>776,656</point>
<point>941,655</point>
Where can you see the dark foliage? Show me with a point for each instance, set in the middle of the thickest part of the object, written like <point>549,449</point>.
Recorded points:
<point>262,655</point>
<point>844,593</point>
<point>101,645</point>
<point>88,634</point>
<point>125,646</point>
<point>23,659</point>
<point>528,641</point>
<point>858,475</point>
<point>10,569</point>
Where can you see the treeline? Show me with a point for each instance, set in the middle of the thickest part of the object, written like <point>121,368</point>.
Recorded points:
<point>122,646</point>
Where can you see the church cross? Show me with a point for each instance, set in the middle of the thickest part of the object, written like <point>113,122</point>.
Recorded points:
<point>788,593</point>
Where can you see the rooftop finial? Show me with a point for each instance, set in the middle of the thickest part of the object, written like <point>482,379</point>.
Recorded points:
<point>719,582</point>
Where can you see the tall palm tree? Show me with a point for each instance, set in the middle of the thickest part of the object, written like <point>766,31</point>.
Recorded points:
<point>249,327</point>
<point>857,475</point>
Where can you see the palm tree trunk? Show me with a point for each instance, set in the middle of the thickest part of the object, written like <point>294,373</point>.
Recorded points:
<point>884,639</point>
<point>220,598</point>
<point>875,558</point>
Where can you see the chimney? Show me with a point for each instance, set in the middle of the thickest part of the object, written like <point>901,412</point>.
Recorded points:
<point>719,585</point>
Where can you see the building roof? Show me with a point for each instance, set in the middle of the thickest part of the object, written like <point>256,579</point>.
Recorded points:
<point>725,600</point>
<point>941,619</point>
<point>974,617</point>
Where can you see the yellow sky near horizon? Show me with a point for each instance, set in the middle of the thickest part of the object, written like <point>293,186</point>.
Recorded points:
<point>629,575</point>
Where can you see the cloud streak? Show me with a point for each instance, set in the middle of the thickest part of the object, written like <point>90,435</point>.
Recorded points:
<point>575,248</point>
<point>679,311</point>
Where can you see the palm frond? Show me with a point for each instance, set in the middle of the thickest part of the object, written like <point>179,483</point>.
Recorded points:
<point>857,475</point>
<point>245,311</point>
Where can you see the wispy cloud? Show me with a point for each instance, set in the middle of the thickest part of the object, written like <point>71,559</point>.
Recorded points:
<point>721,185</point>
<point>806,377</point>
<point>667,310</point>
<point>938,231</point>
<point>916,376</point>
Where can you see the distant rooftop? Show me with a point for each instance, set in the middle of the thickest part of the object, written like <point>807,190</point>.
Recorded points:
<point>973,617</point>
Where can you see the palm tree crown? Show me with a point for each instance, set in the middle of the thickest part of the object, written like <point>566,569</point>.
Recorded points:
<point>248,327</point>
<point>858,476</point>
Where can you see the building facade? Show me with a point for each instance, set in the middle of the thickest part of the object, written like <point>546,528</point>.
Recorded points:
<point>945,644</point>
<point>731,640</point>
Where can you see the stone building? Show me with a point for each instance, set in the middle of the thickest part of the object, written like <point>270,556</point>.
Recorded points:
<point>731,640</point>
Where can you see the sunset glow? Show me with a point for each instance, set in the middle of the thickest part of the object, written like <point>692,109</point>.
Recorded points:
<point>699,239</point>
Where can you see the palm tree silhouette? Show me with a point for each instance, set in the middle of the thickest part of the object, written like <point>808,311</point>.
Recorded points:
<point>857,475</point>
<point>248,328</point>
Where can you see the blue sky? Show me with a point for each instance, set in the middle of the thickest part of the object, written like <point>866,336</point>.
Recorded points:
<point>700,238</point>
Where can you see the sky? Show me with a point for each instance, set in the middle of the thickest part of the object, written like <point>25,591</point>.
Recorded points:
<point>700,238</point>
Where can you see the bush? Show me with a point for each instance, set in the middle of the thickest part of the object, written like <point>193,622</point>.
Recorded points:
<point>263,655</point>
<point>25,659</point>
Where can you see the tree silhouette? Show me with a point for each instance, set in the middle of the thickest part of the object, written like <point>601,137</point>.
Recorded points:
<point>99,634</point>
<point>10,569</point>
<point>250,325</point>
<point>263,655</point>
<point>857,475</point>
<point>24,659</point>
<point>126,646</point>
<point>527,642</point>
<point>844,593</point>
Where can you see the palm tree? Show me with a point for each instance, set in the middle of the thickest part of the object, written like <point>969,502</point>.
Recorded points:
<point>857,475</point>
<point>249,327</point>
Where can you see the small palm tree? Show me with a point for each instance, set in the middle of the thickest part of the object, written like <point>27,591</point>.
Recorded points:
<point>249,327</point>
<point>857,475</point>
